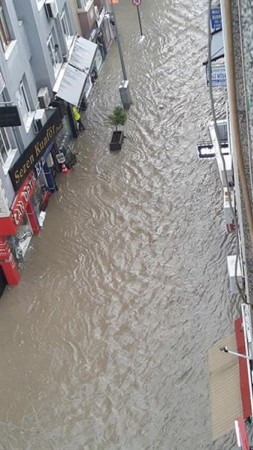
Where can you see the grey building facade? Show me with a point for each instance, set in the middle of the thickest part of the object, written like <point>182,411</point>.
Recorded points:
<point>45,70</point>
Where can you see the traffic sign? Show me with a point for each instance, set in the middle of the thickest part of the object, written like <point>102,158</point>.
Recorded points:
<point>136,2</point>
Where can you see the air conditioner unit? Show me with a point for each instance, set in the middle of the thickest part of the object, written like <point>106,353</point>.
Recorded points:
<point>40,119</point>
<point>44,97</point>
<point>51,9</point>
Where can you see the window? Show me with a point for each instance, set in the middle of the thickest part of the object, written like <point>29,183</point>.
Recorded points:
<point>65,26</point>
<point>83,4</point>
<point>40,3</point>
<point>4,31</point>
<point>5,146</point>
<point>53,49</point>
<point>23,101</point>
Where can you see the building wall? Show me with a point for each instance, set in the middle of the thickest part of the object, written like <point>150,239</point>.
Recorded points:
<point>27,58</point>
<point>87,17</point>
<point>242,40</point>
<point>242,60</point>
<point>38,28</point>
<point>73,6</point>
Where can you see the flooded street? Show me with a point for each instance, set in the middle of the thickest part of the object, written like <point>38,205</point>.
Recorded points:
<point>104,342</point>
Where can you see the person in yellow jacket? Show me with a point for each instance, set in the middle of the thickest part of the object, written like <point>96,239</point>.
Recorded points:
<point>77,118</point>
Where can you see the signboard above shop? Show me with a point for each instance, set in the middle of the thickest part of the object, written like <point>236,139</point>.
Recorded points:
<point>34,152</point>
<point>9,116</point>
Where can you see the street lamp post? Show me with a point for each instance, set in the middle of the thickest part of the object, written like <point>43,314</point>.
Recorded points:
<point>124,86</point>
<point>240,355</point>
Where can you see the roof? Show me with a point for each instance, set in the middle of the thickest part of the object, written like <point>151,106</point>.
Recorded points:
<point>76,72</point>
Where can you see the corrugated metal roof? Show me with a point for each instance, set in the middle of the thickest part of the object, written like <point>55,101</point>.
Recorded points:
<point>224,382</point>
<point>72,84</point>
<point>83,54</point>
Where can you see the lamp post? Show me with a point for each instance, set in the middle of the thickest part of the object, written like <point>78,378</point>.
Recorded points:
<point>124,86</point>
<point>240,355</point>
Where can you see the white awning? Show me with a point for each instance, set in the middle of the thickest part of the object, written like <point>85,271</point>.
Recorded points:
<point>217,47</point>
<point>83,54</point>
<point>72,82</point>
<point>71,86</point>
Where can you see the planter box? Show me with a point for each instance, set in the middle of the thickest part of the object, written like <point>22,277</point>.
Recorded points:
<point>117,140</point>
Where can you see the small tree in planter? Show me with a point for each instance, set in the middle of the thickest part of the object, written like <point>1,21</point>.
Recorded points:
<point>117,118</point>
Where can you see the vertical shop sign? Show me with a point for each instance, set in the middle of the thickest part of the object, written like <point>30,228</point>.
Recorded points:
<point>5,251</point>
<point>21,201</point>
<point>216,19</point>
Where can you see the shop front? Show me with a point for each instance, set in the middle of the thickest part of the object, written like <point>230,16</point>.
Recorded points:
<point>24,218</point>
<point>33,179</point>
<point>102,35</point>
<point>106,29</point>
<point>17,230</point>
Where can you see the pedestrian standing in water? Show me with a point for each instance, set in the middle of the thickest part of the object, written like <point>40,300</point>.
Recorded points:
<point>101,45</point>
<point>77,118</point>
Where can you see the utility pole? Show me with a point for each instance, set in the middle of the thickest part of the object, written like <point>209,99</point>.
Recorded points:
<point>124,86</point>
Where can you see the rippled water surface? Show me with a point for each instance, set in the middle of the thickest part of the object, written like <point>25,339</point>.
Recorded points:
<point>104,342</point>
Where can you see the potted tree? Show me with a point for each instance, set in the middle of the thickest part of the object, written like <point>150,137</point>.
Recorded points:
<point>117,118</point>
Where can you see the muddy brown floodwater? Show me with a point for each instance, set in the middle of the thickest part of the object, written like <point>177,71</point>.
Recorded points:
<point>104,342</point>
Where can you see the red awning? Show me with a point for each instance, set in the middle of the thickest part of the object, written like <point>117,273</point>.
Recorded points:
<point>241,435</point>
<point>243,369</point>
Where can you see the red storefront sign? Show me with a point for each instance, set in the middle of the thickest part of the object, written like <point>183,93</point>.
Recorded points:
<point>5,251</point>
<point>241,436</point>
<point>9,225</point>
<point>20,203</point>
<point>8,263</point>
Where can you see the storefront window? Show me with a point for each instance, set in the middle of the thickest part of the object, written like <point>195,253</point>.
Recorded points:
<point>88,86</point>
<point>64,137</point>
<point>5,146</point>
<point>98,60</point>
<point>19,243</point>
<point>39,191</point>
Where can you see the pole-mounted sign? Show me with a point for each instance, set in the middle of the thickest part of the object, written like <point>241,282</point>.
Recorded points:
<point>137,3</point>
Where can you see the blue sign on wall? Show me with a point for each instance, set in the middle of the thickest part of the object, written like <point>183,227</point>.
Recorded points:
<point>216,18</point>
<point>218,76</point>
